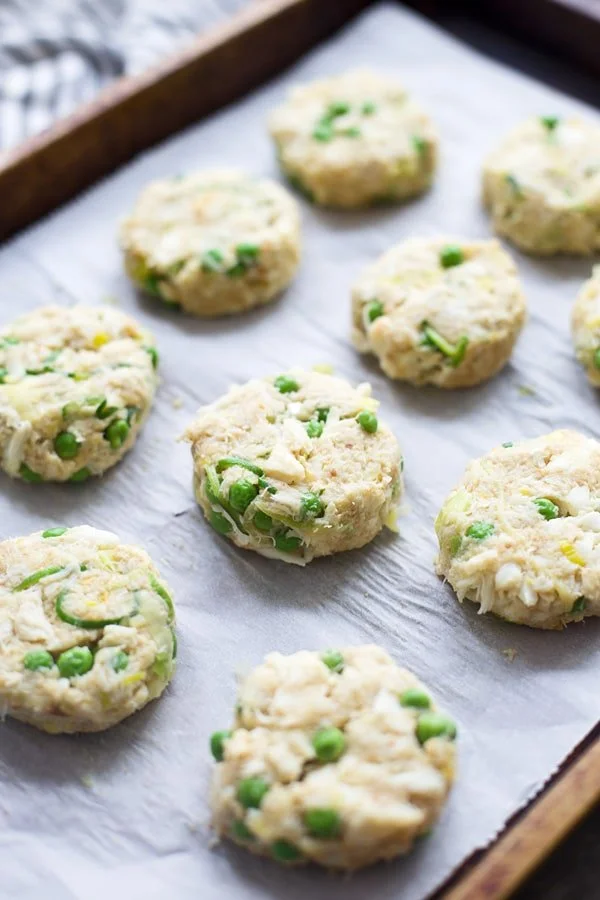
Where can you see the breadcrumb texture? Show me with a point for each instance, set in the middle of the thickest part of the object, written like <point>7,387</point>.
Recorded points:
<point>213,243</point>
<point>585,327</point>
<point>542,186</point>
<point>78,371</point>
<point>323,482</point>
<point>354,140</point>
<point>520,534</point>
<point>479,300</point>
<point>387,788</point>
<point>91,576</point>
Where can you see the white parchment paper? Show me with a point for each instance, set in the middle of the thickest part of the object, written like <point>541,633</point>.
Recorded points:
<point>124,814</point>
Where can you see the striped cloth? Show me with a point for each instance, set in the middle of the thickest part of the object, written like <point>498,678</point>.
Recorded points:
<point>56,54</point>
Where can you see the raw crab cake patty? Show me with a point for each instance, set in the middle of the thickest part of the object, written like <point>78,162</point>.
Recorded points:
<point>296,466</point>
<point>86,629</point>
<point>542,186</point>
<point>354,140</point>
<point>520,535</point>
<point>214,242</point>
<point>585,327</point>
<point>338,758</point>
<point>440,311</point>
<point>76,386</point>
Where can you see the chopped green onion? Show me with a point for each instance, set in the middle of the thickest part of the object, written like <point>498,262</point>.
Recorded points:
<point>212,261</point>
<point>81,475</point>
<point>219,522</point>
<point>579,605</point>
<point>368,108</point>
<point>455,353</point>
<point>419,144</point>
<point>89,624</point>
<point>546,508</point>
<point>285,384</point>
<point>314,428</point>
<point>228,461</point>
<point>262,521</point>
<point>162,592</point>
<point>374,310</point>
<point>37,576</point>
<point>550,123</point>
<point>153,354</point>
<point>311,506</point>
<point>284,851</point>
<point>241,831</point>
<point>53,532</point>
<point>120,661</point>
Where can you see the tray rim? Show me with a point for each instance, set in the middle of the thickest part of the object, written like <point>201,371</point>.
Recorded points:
<point>571,792</point>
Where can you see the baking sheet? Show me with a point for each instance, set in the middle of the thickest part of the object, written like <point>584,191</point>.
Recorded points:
<point>124,814</point>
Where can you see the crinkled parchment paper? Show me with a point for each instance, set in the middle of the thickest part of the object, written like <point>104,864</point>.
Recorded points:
<point>124,814</point>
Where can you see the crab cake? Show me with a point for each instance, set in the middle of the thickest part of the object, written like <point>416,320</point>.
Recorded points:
<point>354,140</point>
<point>338,758</point>
<point>296,466</point>
<point>76,386</point>
<point>440,311</point>
<point>214,242</point>
<point>585,327</point>
<point>520,535</point>
<point>86,629</point>
<point>542,186</point>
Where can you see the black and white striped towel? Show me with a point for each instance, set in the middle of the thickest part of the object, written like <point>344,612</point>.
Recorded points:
<point>56,54</point>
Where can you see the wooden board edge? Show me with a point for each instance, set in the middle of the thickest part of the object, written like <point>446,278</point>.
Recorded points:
<point>496,871</point>
<point>134,113</point>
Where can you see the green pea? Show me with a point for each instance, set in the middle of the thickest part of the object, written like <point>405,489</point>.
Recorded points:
<point>322,822</point>
<point>322,413</point>
<point>153,354</point>
<point>334,660</point>
<point>76,661</point>
<point>368,108</point>
<point>120,661</point>
<point>262,521</point>
<point>451,255</point>
<point>367,421</point>
<point>284,851</point>
<point>550,123</point>
<point>508,444</point>
<point>37,576</point>
<point>314,428</point>
<point>81,475</point>
<point>53,532</point>
<point>241,831</point>
<point>66,445</point>
<point>597,358</point>
<point>29,475</point>
<point>287,542</point>
<point>217,744</point>
<point>374,310</point>
<point>242,493</point>
<point>3,374</point>
<point>546,508</point>
<point>480,530</point>
<point>329,744</point>
<point>71,410</point>
<point>251,791</point>
<point>285,384</point>
<point>38,659</point>
<point>419,144</point>
<point>433,724</point>
<point>415,697</point>
<point>579,605</point>
<point>220,523</point>
<point>212,261</point>
<point>116,433</point>
<point>311,506</point>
